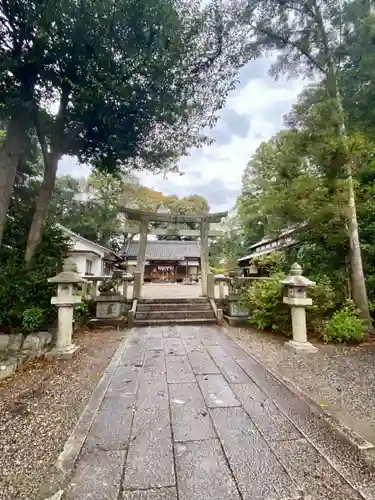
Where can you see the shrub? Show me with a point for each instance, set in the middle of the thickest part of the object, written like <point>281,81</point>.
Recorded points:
<point>33,319</point>
<point>271,262</point>
<point>81,313</point>
<point>264,299</point>
<point>345,326</point>
<point>324,302</point>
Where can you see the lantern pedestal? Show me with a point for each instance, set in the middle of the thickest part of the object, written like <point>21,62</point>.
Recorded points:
<point>300,346</point>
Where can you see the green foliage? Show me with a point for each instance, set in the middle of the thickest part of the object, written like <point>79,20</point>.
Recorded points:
<point>264,299</point>
<point>22,290</point>
<point>81,313</point>
<point>345,326</point>
<point>33,319</point>
<point>271,262</point>
<point>324,303</point>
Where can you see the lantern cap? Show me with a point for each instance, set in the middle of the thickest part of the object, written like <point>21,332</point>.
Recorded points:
<point>68,275</point>
<point>295,279</point>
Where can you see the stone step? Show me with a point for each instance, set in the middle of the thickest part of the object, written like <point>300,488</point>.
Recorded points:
<point>162,322</point>
<point>201,306</point>
<point>197,300</point>
<point>181,314</point>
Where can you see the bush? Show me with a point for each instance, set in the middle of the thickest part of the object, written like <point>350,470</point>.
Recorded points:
<point>271,262</point>
<point>264,299</point>
<point>33,319</point>
<point>324,302</point>
<point>81,313</point>
<point>345,326</point>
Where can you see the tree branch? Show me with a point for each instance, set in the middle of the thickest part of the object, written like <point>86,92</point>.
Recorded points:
<point>295,45</point>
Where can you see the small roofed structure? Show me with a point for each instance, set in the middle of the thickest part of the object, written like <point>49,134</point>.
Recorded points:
<point>166,261</point>
<point>284,239</point>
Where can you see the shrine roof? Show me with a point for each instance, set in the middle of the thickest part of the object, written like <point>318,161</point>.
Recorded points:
<point>164,250</point>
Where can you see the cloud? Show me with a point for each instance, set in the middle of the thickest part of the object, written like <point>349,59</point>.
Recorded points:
<point>253,113</point>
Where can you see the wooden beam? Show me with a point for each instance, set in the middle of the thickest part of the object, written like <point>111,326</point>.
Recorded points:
<point>195,233</point>
<point>171,218</point>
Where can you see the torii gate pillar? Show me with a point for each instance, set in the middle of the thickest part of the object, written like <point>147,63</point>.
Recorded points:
<point>204,255</point>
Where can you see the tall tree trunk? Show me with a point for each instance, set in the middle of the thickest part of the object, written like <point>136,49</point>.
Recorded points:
<point>357,276</point>
<point>42,206</point>
<point>11,153</point>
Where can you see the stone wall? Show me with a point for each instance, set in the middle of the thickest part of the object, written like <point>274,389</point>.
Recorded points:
<point>16,349</point>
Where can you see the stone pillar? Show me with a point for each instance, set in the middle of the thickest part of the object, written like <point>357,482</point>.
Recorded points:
<point>137,285</point>
<point>141,258</point>
<point>204,255</point>
<point>221,290</point>
<point>125,289</point>
<point>210,285</point>
<point>65,302</point>
<point>296,297</point>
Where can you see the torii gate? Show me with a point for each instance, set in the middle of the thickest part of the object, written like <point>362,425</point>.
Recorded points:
<point>144,219</point>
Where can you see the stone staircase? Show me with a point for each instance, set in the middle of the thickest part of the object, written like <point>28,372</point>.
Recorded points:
<point>159,312</point>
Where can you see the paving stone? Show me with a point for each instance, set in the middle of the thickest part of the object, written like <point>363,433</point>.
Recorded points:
<point>111,428</point>
<point>202,363</point>
<point>152,392</point>
<point>271,422</point>
<point>97,476</point>
<point>150,458</point>
<point>133,355</point>
<point>258,473</point>
<point>349,461</point>
<point>170,332</point>
<point>179,370</point>
<point>192,343</point>
<point>155,343</point>
<point>216,391</point>
<point>159,494</point>
<point>202,472</point>
<point>154,363</point>
<point>174,347</point>
<point>124,381</point>
<point>228,367</point>
<point>311,472</point>
<point>190,418</point>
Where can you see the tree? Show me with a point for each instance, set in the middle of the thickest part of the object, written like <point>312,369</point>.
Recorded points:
<point>307,36</point>
<point>137,89</point>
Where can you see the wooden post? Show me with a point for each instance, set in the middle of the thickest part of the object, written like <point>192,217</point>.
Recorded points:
<point>141,258</point>
<point>204,256</point>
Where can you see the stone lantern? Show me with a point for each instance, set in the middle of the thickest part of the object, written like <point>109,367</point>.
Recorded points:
<point>65,301</point>
<point>295,296</point>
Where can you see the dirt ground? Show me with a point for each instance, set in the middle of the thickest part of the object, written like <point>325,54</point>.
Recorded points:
<point>342,378</point>
<point>39,407</point>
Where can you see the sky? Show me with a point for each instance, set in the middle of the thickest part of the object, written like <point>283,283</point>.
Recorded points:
<point>253,113</point>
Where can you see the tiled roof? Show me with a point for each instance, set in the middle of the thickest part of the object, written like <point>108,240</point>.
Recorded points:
<point>165,250</point>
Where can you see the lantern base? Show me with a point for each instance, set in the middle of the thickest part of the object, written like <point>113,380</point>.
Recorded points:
<point>62,352</point>
<point>301,346</point>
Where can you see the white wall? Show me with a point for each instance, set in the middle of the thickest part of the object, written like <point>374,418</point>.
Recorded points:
<point>80,260</point>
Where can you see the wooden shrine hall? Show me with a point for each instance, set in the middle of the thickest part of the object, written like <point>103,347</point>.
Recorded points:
<point>167,261</point>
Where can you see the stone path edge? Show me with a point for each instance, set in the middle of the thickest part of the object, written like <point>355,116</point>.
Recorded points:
<point>346,432</point>
<point>62,468</point>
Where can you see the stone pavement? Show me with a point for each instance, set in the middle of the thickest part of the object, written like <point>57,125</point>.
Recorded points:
<point>188,415</point>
